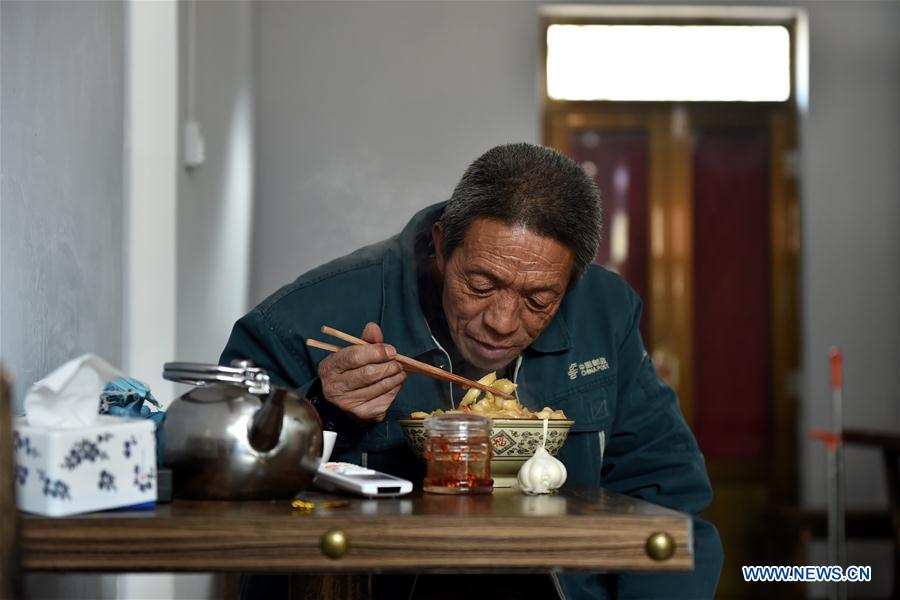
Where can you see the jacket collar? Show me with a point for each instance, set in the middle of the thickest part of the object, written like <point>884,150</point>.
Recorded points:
<point>555,338</point>
<point>402,318</point>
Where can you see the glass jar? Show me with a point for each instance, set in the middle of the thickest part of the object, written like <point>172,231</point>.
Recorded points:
<point>458,454</point>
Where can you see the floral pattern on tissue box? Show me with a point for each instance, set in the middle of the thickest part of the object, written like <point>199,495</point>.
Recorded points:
<point>61,472</point>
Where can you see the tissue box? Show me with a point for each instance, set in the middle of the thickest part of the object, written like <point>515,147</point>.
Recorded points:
<point>109,464</point>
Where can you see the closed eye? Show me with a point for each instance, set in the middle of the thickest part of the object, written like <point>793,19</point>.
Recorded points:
<point>540,302</point>
<point>483,289</point>
<point>537,304</point>
<point>480,285</point>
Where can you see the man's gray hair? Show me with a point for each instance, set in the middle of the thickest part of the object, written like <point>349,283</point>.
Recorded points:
<point>531,186</point>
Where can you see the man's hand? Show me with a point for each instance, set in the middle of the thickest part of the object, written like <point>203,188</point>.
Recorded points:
<point>363,380</point>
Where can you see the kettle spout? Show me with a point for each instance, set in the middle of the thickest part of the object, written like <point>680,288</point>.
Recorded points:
<point>265,429</point>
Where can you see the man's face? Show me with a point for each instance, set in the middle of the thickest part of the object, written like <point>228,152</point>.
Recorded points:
<point>501,288</point>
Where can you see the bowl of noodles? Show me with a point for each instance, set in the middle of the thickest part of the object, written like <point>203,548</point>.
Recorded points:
<point>516,432</point>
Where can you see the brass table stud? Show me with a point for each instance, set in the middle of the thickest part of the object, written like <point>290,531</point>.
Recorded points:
<point>660,546</point>
<point>334,543</point>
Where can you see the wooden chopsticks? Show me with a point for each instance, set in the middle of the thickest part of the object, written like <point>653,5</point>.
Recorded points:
<point>409,364</point>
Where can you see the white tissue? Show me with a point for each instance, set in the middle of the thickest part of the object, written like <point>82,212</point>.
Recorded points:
<point>69,396</point>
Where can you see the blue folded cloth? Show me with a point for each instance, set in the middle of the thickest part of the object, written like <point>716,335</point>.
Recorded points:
<point>125,397</point>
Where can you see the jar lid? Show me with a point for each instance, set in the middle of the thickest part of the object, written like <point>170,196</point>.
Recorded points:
<point>458,423</point>
<point>241,373</point>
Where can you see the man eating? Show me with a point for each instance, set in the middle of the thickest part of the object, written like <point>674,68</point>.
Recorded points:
<point>498,278</point>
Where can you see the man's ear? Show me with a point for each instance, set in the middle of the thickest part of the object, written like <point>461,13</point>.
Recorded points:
<point>437,236</point>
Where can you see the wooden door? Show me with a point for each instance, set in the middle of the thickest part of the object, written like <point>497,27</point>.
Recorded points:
<point>700,216</point>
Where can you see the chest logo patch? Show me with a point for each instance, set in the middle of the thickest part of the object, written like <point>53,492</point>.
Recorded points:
<point>589,367</point>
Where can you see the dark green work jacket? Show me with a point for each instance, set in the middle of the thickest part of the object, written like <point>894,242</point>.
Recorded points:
<point>629,434</point>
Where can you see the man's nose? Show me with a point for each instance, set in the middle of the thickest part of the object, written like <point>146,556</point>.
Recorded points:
<point>502,316</point>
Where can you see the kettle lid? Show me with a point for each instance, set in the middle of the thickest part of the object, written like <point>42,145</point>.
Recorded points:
<point>242,373</point>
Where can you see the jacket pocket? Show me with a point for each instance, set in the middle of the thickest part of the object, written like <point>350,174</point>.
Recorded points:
<point>589,404</point>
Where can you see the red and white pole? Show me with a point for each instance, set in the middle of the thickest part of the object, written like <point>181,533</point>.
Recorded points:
<point>837,543</point>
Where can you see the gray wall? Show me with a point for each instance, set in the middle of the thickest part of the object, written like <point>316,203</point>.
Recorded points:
<point>850,252</point>
<point>851,256</point>
<point>369,111</point>
<point>61,197</point>
<point>214,200</point>
<point>61,201</point>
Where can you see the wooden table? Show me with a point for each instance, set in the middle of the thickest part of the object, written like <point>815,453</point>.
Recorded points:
<point>501,532</point>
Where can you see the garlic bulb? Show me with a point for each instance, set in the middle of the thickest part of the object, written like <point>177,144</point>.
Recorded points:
<point>542,473</point>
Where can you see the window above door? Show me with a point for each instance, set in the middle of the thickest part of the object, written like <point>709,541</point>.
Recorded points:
<point>714,63</point>
<point>643,53</point>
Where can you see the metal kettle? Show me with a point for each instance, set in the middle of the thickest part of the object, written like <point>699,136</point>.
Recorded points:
<point>237,437</point>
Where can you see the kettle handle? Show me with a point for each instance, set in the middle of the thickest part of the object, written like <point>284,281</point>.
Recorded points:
<point>241,372</point>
